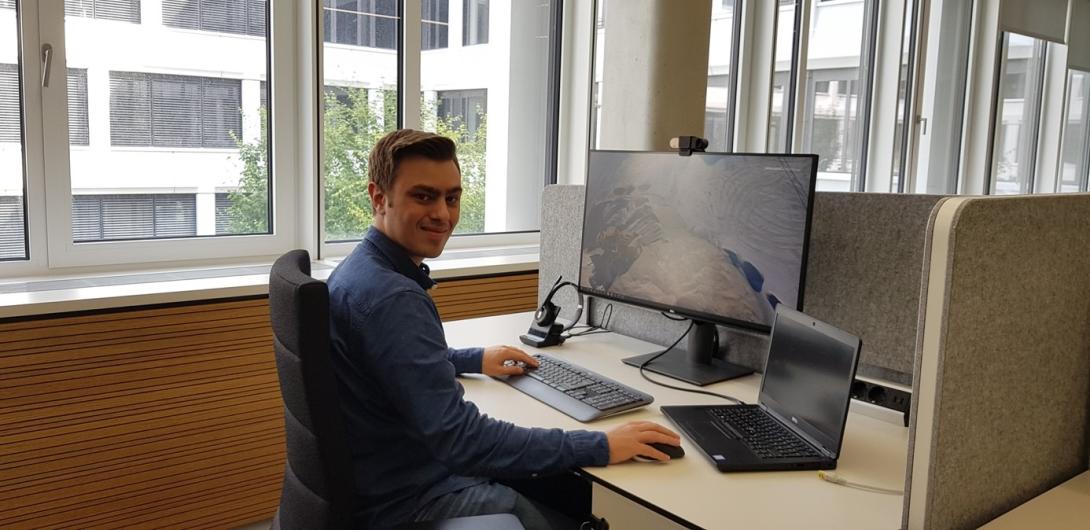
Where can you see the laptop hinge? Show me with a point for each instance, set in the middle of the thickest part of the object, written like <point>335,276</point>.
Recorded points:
<point>798,431</point>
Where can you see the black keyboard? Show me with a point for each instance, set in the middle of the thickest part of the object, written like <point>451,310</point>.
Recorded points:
<point>575,391</point>
<point>765,436</point>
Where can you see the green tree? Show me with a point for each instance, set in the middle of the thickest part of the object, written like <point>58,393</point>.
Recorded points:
<point>351,128</point>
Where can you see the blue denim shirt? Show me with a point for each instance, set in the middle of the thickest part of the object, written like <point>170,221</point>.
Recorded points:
<point>411,434</point>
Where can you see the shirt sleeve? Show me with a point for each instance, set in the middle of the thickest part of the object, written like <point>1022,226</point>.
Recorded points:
<point>419,377</point>
<point>466,360</point>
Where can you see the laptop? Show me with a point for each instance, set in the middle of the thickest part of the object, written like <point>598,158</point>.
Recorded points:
<point>798,421</point>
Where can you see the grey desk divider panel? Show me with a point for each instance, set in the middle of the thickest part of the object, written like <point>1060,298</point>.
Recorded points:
<point>865,261</point>
<point>1002,386</point>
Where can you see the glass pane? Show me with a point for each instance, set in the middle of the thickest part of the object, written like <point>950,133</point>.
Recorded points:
<point>904,79</point>
<point>359,107</point>
<point>943,97</point>
<point>165,117</point>
<point>719,105</point>
<point>1018,114</point>
<point>779,120</point>
<point>12,183</point>
<point>1075,155</point>
<point>837,62</point>
<point>459,84</point>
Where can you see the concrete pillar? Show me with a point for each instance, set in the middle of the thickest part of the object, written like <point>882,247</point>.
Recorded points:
<point>654,72</point>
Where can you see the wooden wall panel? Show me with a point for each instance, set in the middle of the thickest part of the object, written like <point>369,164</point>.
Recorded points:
<point>494,295</point>
<point>161,417</point>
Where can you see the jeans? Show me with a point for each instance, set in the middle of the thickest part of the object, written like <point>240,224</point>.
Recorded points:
<point>491,498</point>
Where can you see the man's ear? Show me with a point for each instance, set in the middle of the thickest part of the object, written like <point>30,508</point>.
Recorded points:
<point>378,198</point>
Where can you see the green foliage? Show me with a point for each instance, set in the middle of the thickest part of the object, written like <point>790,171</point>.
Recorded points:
<point>249,212</point>
<point>351,128</point>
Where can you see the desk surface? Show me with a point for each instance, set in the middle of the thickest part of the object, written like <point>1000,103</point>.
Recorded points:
<point>1065,506</point>
<point>874,452</point>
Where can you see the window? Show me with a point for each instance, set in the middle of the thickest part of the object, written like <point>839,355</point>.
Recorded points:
<point>785,58</point>
<point>464,109</point>
<point>245,17</point>
<point>722,70</point>
<point>178,133</point>
<point>839,57</point>
<point>369,23</point>
<point>435,17</point>
<point>474,22</point>
<point>359,106</point>
<point>130,216</point>
<point>1018,114</point>
<point>12,210</point>
<point>1074,167</point>
<point>501,147</point>
<point>174,111</point>
<point>905,75</point>
<point>120,10</point>
<point>944,85</point>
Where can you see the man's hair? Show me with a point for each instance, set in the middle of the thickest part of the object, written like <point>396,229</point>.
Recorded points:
<point>402,144</point>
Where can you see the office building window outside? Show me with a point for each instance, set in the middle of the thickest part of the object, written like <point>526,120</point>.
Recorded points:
<point>474,22</point>
<point>466,108</point>
<point>1018,114</point>
<point>435,24</point>
<point>185,110</point>
<point>244,17</point>
<point>133,216</point>
<point>905,75</point>
<point>1074,167</point>
<point>722,56</point>
<point>174,111</point>
<point>13,243</point>
<point>367,23</point>
<point>119,10</point>
<point>839,58</point>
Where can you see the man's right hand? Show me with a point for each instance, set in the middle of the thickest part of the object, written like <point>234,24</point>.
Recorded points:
<point>631,439</point>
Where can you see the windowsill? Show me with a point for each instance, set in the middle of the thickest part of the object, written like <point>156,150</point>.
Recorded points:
<point>50,295</point>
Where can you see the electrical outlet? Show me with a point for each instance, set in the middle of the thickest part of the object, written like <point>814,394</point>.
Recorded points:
<point>883,394</point>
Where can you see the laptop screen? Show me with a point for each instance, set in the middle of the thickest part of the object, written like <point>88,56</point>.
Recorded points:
<point>808,376</point>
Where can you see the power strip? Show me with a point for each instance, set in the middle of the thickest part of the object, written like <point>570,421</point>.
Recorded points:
<point>883,394</point>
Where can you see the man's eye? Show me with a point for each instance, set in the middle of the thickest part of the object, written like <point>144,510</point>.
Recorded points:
<point>453,200</point>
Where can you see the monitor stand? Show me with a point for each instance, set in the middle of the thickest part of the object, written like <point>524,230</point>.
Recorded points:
<point>695,364</point>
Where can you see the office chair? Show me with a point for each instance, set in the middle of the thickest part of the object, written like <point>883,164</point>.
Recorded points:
<point>318,488</point>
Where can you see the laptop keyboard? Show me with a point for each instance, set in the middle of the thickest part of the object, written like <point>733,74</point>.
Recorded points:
<point>764,435</point>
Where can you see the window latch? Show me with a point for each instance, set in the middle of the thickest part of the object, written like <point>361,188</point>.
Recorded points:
<point>47,63</point>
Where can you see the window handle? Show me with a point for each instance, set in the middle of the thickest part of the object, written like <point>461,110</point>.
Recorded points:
<point>47,63</point>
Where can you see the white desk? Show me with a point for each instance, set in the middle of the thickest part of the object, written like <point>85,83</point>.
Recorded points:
<point>1065,506</point>
<point>691,489</point>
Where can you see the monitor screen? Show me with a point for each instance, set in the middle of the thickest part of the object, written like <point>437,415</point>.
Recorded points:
<point>808,376</point>
<point>716,237</point>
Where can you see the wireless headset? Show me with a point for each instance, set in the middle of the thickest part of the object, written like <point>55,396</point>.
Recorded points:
<point>544,330</point>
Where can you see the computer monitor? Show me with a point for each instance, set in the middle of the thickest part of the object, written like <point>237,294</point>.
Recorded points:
<point>718,238</point>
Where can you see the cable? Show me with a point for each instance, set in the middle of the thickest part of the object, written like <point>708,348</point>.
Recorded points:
<point>593,330</point>
<point>683,389</point>
<point>673,317</point>
<point>833,478</point>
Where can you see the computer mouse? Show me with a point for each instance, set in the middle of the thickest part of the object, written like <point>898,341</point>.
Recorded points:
<point>673,451</point>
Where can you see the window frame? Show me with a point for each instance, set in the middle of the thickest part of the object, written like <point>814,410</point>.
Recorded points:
<point>63,253</point>
<point>409,62</point>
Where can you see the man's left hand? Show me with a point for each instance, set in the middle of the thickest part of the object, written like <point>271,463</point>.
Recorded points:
<point>494,362</point>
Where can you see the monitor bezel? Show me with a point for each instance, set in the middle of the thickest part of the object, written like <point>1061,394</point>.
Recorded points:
<point>686,312</point>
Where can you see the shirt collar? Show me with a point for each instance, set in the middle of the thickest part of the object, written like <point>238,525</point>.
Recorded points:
<point>399,258</point>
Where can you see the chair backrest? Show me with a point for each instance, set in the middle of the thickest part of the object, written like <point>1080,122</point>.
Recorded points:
<point>318,487</point>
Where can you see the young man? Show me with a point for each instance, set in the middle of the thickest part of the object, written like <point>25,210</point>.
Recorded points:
<point>419,450</point>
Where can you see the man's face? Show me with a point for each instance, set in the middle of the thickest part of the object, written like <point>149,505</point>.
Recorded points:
<point>421,210</point>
